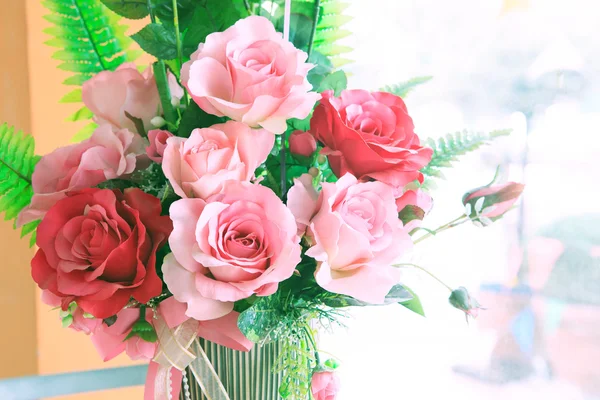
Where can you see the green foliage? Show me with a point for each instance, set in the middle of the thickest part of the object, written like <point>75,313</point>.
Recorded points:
<point>90,39</point>
<point>413,304</point>
<point>296,363</point>
<point>157,40</point>
<point>144,330</point>
<point>404,88</point>
<point>336,81</point>
<point>446,150</point>
<point>329,28</point>
<point>209,16</point>
<point>397,294</point>
<point>194,117</point>
<point>132,9</point>
<point>17,162</point>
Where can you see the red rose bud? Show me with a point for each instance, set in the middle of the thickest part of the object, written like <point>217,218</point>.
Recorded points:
<point>302,143</point>
<point>486,204</point>
<point>462,300</point>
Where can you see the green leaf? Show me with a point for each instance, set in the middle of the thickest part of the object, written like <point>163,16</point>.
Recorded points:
<point>336,81</point>
<point>411,213</point>
<point>17,163</point>
<point>67,321</point>
<point>132,9</point>
<point>144,330</point>
<point>413,304</point>
<point>73,96</point>
<point>261,321</point>
<point>158,41</point>
<point>194,117</point>
<point>446,150</point>
<point>402,89</point>
<point>82,114</point>
<point>398,293</point>
<point>139,124</point>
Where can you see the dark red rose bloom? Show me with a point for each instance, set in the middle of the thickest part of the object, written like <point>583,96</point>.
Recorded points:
<point>97,247</point>
<point>371,136</point>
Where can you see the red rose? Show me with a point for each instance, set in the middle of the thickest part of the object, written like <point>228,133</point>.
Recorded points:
<point>371,136</point>
<point>97,247</point>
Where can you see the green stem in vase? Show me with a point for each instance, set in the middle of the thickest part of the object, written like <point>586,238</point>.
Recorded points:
<point>283,167</point>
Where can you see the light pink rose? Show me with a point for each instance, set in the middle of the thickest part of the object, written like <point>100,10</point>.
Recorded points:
<point>110,94</point>
<point>242,242</point>
<point>198,166</point>
<point>158,144</point>
<point>325,385</point>
<point>106,155</point>
<point>302,143</point>
<point>110,340</point>
<point>250,74</point>
<point>356,236</point>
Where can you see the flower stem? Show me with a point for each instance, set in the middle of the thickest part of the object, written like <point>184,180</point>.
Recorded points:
<point>247,5</point>
<point>455,222</point>
<point>424,270</point>
<point>160,74</point>
<point>312,341</point>
<point>317,11</point>
<point>283,169</point>
<point>151,12</point>
<point>179,44</point>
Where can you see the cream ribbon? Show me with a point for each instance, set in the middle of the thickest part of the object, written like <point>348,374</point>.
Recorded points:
<point>179,349</point>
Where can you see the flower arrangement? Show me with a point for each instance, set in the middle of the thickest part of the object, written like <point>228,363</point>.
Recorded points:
<point>235,190</point>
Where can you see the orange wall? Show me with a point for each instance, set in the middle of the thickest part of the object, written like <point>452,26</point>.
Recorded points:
<point>31,88</point>
<point>17,291</point>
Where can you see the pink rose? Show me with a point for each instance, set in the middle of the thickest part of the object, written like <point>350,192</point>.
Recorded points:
<point>371,136</point>
<point>110,94</point>
<point>81,322</point>
<point>489,203</point>
<point>250,74</point>
<point>158,144</point>
<point>325,385</point>
<point>243,242</point>
<point>110,340</point>
<point>198,166</point>
<point>106,155</point>
<point>356,236</point>
<point>302,143</point>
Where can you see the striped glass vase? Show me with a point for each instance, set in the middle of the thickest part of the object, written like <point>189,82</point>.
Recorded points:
<point>245,375</point>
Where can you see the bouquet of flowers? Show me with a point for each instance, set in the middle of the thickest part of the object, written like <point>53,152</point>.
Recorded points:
<point>234,191</point>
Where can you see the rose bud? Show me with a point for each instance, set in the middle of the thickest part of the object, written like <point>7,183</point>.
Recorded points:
<point>158,143</point>
<point>302,143</point>
<point>486,204</point>
<point>325,385</point>
<point>462,300</point>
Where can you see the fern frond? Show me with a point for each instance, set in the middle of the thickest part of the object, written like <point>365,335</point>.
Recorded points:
<point>17,161</point>
<point>90,39</point>
<point>446,150</point>
<point>329,29</point>
<point>403,88</point>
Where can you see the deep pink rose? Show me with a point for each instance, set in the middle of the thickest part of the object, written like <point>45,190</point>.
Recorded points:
<point>242,242</point>
<point>158,144</point>
<point>110,340</point>
<point>250,74</point>
<point>97,247</point>
<point>356,236</point>
<point>302,143</point>
<point>489,203</point>
<point>325,385</point>
<point>106,155</point>
<point>198,166</point>
<point>371,136</point>
<point>110,94</point>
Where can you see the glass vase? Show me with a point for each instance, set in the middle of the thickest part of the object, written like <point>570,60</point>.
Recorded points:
<point>245,375</point>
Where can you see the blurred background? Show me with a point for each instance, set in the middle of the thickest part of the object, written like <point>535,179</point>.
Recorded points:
<point>529,65</point>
